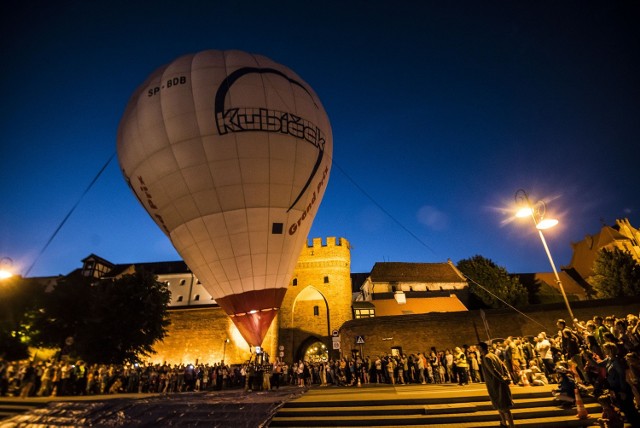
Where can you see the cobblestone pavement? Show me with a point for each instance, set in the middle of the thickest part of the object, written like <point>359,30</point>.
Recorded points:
<point>232,408</point>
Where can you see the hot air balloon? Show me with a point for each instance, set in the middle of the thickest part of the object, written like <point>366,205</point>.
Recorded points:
<point>230,154</point>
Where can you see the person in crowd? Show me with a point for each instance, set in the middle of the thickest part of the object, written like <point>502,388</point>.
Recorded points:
<point>566,391</point>
<point>421,367</point>
<point>435,367</point>
<point>535,375</point>
<point>461,366</point>
<point>400,362</point>
<point>441,367</point>
<point>366,365</point>
<point>571,347</point>
<point>543,349</point>
<point>600,330</point>
<point>300,374</point>
<point>46,381</point>
<point>620,389</point>
<point>391,367</point>
<point>517,357</point>
<point>448,357</point>
<point>497,380</point>
<point>28,380</point>
<point>379,374</point>
<point>632,375</point>
<point>474,367</point>
<point>277,374</point>
<point>611,417</point>
<point>608,323</point>
<point>4,380</point>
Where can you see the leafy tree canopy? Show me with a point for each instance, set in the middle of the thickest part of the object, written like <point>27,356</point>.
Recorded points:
<point>18,298</point>
<point>491,283</point>
<point>615,274</point>
<point>110,321</point>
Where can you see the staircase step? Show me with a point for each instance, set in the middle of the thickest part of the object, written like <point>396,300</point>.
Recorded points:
<point>545,422</point>
<point>385,409</point>
<point>481,418</point>
<point>9,407</point>
<point>445,406</point>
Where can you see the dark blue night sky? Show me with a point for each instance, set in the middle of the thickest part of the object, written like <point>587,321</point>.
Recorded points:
<point>440,112</point>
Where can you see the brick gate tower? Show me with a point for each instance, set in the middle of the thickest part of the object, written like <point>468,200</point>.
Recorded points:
<point>318,300</point>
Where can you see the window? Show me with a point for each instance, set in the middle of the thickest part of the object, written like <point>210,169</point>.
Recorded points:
<point>89,267</point>
<point>277,228</point>
<point>182,282</point>
<point>179,299</point>
<point>295,281</point>
<point>168,283</point>
<point>197,297</point>
<point>364,313</point>
<point>326,279</point>
<point>316,311</point>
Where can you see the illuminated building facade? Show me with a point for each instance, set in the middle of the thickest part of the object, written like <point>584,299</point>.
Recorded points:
<point>621,235</point>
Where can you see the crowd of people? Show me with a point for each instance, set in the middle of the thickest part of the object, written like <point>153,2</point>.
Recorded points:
<point>598,356</point>
<point>61,378</point>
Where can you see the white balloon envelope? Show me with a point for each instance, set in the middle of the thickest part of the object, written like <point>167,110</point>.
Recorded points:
<point>230,154</point>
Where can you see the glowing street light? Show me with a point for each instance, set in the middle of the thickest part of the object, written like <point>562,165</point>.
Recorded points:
<point>6,268</point>
<point>537,211</point>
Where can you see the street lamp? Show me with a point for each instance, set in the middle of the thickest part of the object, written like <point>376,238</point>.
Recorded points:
<point>536,211</point>
<point>224,349</point>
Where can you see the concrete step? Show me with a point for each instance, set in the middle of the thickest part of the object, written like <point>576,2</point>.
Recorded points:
<point>446,407</point>
<point>453,418</point>
<point>12,407</point>
<point>439,409</point>
<point>547,422</point>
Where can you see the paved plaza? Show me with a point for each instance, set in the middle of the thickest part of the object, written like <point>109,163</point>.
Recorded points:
<point>386,405</point>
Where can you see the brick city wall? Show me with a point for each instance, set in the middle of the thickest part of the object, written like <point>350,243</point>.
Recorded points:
<point>199,335</point>
<point>418,333</point>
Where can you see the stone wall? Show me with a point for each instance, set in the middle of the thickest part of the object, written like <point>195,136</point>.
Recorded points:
<point>418,333</point>
<point>199,334</point>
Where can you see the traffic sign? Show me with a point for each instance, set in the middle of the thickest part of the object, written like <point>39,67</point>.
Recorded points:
<point>336,345</point>
<point>335,333</point>
<point>360,340</point>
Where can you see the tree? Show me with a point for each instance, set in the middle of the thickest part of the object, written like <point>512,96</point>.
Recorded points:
<point>490,283</point>
<point>110,321</point>
<point>18,298</point>
<point>63,313</point>
<point>615,274</point>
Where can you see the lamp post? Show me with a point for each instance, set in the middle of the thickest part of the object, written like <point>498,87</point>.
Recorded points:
<point>536,211</point>
<point>224,349</point>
